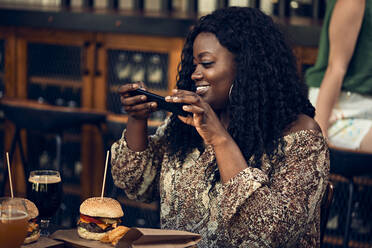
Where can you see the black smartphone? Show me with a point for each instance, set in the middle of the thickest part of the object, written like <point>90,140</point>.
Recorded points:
<point>175,108</point>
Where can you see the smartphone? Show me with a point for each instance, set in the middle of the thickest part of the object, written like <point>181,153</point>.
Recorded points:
<point>175,108</point>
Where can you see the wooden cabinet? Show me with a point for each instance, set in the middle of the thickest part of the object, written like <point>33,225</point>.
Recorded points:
<point>7,60</point>
<point>123,58</point>
<point>55,58</point>
<point>85,69</point>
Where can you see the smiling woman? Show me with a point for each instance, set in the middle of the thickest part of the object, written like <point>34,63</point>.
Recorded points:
<point>249,166</point>
<point>214,70</point>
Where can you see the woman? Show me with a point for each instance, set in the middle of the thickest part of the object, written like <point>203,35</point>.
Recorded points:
<point>249,165</point>
<point>341,80</point>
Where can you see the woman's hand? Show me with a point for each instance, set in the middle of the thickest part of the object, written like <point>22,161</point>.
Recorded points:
<point>136,106</point>
<point>203,118</point>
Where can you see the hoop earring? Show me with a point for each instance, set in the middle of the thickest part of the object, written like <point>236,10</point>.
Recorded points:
<point>232,85</point>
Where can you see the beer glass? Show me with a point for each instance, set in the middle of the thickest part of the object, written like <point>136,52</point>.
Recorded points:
<point>46,193</point>
<point>13,222</point>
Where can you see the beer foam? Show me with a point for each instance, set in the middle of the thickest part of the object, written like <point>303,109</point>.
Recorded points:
<point>12,215</point>
<point>47,179</point>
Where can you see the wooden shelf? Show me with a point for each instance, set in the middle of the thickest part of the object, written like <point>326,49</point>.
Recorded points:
<point>362,181</point>
<point>68,83</point>
<point>136,22</point>
<point>336,240</point>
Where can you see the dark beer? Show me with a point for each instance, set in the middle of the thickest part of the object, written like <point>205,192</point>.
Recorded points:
<point>46,193</point>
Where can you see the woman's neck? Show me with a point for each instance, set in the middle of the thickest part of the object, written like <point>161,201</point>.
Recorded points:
<point>224,118</point>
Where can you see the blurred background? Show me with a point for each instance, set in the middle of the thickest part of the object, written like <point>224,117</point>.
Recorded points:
<point>76,53</point>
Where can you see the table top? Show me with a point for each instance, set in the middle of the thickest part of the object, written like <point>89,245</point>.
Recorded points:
<point>135,237</point>
<point>44,242</point>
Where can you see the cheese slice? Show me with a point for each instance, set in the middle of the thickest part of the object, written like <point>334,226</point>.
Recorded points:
<point>103,226</point>
<point>31,226</point>
<point>84,221</point>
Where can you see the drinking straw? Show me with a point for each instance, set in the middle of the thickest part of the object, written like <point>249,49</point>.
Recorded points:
<point>10,175</point>
<point>104,176</point>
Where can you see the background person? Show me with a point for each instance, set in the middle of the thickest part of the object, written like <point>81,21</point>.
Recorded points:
<point>341,80</point>
<point>341,89</point>
<point>249,166</point>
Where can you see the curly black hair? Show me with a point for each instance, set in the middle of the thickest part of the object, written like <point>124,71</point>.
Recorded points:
<point>267,93</point>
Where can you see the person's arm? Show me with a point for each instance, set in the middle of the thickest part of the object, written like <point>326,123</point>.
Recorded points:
<point>138,111</point>
<point>344,28</point>
<point>230,159</point>
<point>137,172</point>
<point>136,134</point>
<point>277,211</point>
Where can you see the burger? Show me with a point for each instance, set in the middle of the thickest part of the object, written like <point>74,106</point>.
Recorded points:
<point>33,230</point>
<point>98,216</point>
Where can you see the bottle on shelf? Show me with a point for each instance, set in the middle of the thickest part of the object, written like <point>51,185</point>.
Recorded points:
<point>180,6</point>
<point>123,68</point>
<point>241,3</point>
<point>205,7</point>
<point>138,69</point>
<point>76,3</point>
<point>101,4</point>
<point>154,71</point>
<point>153,5</point>
<point>126,5</point>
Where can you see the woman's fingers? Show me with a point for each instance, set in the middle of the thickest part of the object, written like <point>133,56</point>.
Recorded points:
<point>148,106</point>
<point>136,106</point>
<point>193,109</point>
<point>197,114</point>
<point>125,96</point>
<point>183,96</point>
<point>127,100</point>
<point>187,120</point>
<point>124,89</point>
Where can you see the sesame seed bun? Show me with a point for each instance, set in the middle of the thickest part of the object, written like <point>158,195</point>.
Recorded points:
<point>85,234</point>
<point>32,210</point>
<point>105,207</point>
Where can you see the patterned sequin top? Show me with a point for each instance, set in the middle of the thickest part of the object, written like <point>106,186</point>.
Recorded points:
<point>266,207</point>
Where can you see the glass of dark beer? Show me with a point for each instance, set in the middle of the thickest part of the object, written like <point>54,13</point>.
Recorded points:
<point>46,193</point>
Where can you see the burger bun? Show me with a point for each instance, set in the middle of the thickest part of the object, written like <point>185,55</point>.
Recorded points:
<point>84,233</point>
<point>32,210</point>
<point>34,237</point>
<point>101,207</point>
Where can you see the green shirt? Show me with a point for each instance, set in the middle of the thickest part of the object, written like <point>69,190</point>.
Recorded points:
<point>358,77</point>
